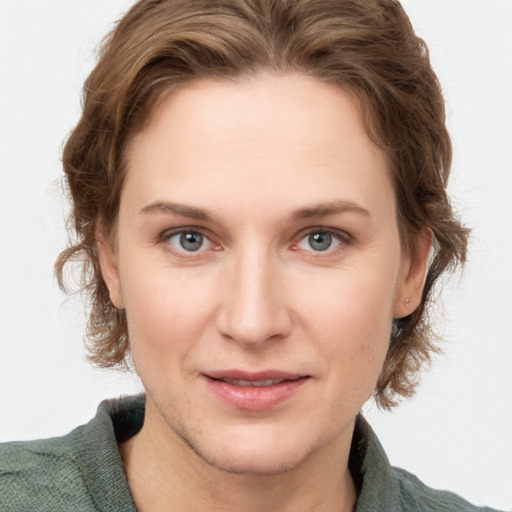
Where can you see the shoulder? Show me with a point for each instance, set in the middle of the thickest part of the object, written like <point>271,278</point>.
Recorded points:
<point>384,487</point>
<point>414,495</point>
<point>80,471</point>
<point>41,475</point>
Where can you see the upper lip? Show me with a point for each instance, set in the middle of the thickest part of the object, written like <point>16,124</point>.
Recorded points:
<point>253,376</point>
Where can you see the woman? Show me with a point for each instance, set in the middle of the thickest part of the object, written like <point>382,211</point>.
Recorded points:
<point>260,202</point>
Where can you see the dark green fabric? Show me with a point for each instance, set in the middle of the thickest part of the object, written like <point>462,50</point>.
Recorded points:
<point>79,472</point>
<point>83,471</point>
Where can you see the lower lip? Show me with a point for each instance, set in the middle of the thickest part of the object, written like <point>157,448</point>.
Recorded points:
<point>255,398</point>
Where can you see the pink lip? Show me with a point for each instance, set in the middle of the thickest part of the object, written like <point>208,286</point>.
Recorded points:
<point>254,398</point>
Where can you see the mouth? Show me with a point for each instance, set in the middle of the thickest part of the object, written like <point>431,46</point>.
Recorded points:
<point>254,391</point>
<point>256,383</point>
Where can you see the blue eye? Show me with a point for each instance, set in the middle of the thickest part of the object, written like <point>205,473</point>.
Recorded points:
<point>189,241</point>
<point>320,241</point>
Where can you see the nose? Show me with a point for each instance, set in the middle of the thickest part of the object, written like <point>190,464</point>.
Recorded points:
<point>254,306</point>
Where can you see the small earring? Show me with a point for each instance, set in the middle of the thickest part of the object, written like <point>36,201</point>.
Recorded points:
<point>407,302</point>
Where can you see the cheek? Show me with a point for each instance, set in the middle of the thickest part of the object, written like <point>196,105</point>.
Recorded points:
<point>354,303</point>
<point>351,320</point>
<point>167,312</point>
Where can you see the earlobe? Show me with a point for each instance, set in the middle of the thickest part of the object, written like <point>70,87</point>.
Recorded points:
<point>414,274</point>
<point>109,268</point>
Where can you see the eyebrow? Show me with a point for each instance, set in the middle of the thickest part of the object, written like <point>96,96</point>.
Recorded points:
<point>308,212</point>
<point>327,209</point>
<point>178,209</point>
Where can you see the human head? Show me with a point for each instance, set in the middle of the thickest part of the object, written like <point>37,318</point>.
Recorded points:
<point>366,47</point>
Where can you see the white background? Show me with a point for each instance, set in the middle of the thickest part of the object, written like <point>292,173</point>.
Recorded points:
<point>456,433</point>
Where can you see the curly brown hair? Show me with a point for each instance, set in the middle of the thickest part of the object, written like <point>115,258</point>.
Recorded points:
<point>366,47</point>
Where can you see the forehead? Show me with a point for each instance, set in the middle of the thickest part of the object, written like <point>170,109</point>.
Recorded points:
<point>255,138</point>
<point>227,111</point>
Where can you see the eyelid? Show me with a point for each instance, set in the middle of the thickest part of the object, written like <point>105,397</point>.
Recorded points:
<point>165,236</point>
<point>342,236</point>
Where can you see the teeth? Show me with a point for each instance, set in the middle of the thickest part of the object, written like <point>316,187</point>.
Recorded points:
<point>258,383</point>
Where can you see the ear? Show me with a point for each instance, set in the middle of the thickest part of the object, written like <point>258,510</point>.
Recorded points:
<point>109,269</point>
<point>413,275</point>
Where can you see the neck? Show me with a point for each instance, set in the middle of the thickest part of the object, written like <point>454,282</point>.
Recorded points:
<point>164,473</point>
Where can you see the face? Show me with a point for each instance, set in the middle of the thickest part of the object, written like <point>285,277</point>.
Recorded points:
<point>259,262</point>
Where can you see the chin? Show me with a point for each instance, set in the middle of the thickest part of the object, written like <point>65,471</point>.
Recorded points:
<point>263,463</point>
<point>255,453</point>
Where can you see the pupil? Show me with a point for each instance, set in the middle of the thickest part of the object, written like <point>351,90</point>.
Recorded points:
<point>320,241</point>
<point>191,241</point>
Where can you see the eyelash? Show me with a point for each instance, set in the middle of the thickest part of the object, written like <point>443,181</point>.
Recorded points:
<point>166,236</point>
<point>342,237</point>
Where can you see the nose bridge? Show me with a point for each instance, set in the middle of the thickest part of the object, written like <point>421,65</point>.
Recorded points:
<point>254,309</point>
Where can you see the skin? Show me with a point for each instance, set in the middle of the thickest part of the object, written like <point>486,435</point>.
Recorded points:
<point>257,295</point>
